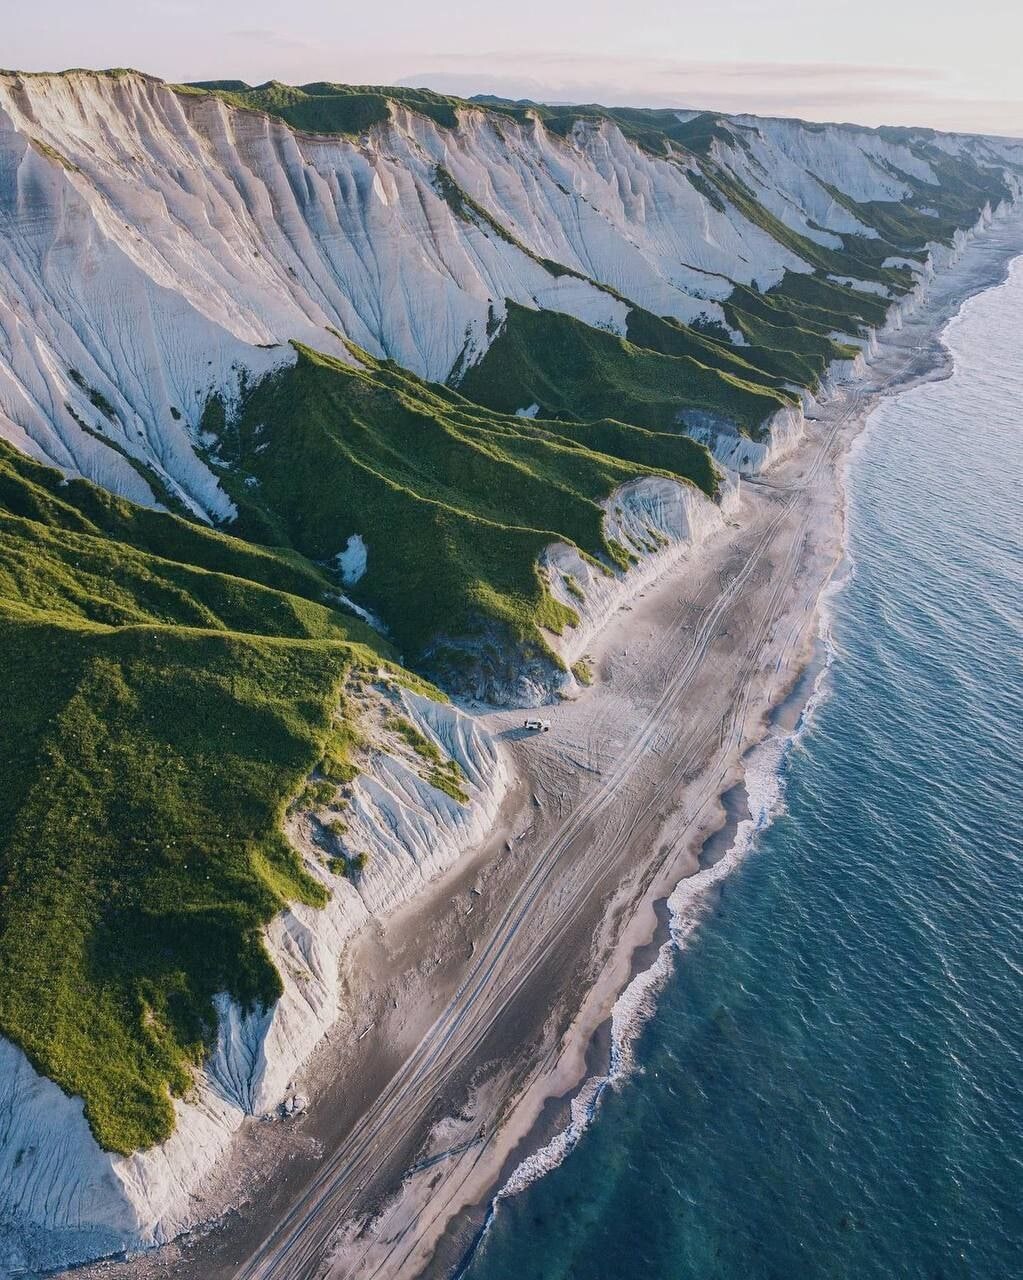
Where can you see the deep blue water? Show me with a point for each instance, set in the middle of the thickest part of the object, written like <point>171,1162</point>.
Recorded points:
<point>832,1084</point>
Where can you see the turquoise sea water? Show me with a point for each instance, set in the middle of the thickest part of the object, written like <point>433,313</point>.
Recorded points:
<point>832,1084</point>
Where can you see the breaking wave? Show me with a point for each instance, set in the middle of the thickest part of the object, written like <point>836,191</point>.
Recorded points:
<point>863,1028</point>
<point>764,785</point>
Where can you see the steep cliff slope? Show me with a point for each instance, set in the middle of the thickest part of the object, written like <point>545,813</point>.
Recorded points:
<point>159,245</point>
<point>160,709</point>
<point>465,371</point>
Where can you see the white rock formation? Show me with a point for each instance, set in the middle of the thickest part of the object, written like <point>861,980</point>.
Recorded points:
<point>353,560</point>
<point>166,246</point>
<point>656,520</point>
<point>738,452</point>
<point>63,1199</point>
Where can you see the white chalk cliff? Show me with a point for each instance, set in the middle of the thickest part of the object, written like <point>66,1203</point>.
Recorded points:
<point>164,246</point>
<point>656,521</point>
<point>62,1198</point>
<point>157,248</point>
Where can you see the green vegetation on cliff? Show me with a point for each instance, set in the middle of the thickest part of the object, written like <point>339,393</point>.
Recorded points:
<point>328,108</point>
<point>454,503</point>
<point>157,713</point>
<point>574,371</point>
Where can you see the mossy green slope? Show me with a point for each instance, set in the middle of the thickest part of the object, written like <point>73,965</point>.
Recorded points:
<point>155,718</point>
<point>167,689</point>
<point>575,371</point>
<point>323,107</point>
<point>454,503</point>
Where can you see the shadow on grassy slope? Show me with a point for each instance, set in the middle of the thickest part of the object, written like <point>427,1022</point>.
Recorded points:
<point>454,503</point>
<point>576,371</point>
<point>156,716</point>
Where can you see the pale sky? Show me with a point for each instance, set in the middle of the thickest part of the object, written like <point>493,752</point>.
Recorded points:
<point>951,64</point>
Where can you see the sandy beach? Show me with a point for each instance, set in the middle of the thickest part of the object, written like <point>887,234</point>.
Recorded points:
<point>483,1005</point>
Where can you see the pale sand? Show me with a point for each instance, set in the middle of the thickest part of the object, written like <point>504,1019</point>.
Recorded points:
<point>484,998</point>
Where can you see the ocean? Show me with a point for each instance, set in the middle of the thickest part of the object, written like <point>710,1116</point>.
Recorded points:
<point>831,1084</point>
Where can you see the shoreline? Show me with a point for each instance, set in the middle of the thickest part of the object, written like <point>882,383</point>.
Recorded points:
<point>799,701</point>
<point>653,964</point>
<point>813,1049</point>
<point>793,714</point>
<point>570,1056</point>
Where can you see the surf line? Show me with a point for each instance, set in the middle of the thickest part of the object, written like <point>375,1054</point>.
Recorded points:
<point>763,781</point>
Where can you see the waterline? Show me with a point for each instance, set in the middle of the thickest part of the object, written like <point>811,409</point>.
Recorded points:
<point>831,1071</point>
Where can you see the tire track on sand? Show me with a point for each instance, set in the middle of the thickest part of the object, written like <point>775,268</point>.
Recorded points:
<point>299,1241</point>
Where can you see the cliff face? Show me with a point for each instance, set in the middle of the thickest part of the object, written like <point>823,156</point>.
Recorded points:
<point>161,251</point>
<point>158,246</point>
<point>63,1198</point>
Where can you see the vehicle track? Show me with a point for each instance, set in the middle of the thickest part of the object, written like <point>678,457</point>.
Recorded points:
<point>626,835</point>
<point>296,1248</point>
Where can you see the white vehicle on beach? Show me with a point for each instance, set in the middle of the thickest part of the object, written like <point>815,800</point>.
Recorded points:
<point>537,726</point>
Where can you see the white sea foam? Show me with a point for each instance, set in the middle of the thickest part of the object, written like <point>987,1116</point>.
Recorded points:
<point>764,783</point>
<point>631,1010</point>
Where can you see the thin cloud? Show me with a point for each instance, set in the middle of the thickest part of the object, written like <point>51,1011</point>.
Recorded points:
<point>617,66</point>
<point>868,94</point>
<point>265,36</point>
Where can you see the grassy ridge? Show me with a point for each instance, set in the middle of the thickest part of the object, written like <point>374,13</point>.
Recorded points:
<point>671,337</point>
<point>454,503</point>
<point>322,107</point>
<point>155,719</point>
<point>55,502</point>
<point>573,370</point>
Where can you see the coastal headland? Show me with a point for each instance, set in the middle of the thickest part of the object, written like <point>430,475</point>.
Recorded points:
<point>487,1002</point>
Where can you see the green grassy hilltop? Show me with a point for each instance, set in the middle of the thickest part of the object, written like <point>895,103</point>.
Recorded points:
<point>454,502</point>
<point>157,712</point>
<point>167,688</point>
